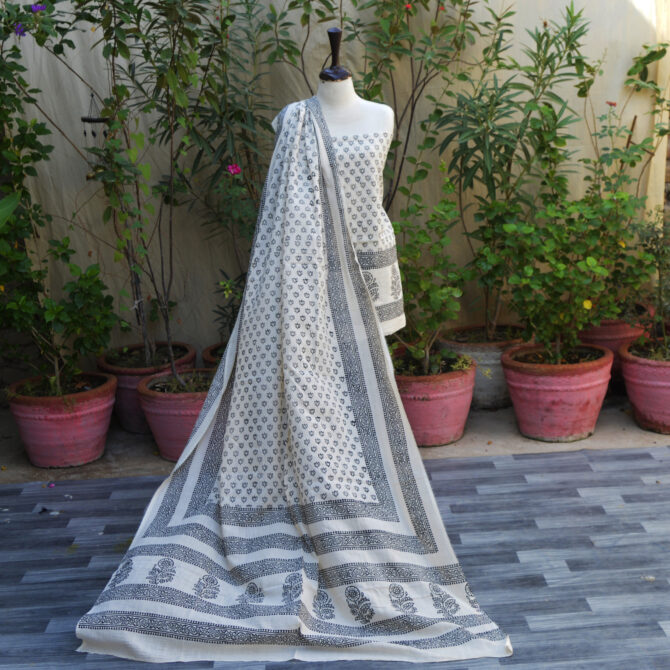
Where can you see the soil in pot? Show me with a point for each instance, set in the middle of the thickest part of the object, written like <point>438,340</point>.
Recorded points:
<point>67,430</point>
<point>39,387</point>
<point>490,385</point>
<point>127,357</point>
<point>557,402</point>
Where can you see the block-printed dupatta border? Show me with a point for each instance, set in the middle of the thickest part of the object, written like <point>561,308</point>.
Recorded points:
<point>394,535</point>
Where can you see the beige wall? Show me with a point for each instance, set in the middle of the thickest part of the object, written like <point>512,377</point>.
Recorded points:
<point>618,27</point>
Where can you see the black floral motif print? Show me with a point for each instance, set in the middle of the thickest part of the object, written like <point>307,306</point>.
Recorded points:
<point>207,587</point>
<point>471,597</point>
<point>162,572</point>
<point>359,604</point>
<point>252,594</point>
<point>444,603</point>
<point>401,600</point>
<point>372,284</point>
<point>292,588</point>
<point>323,605</point>
<point>121,573</point>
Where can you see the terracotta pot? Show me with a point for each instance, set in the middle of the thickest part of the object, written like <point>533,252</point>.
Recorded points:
<point>437,406</point>
<point>557,403</point>
<point>68,430</point>
<point>127,408</point>
<point>171,416</point>
<point>490,385</point>
<point>208,358</point>
<point>648,388</point>
<point>612,333</point>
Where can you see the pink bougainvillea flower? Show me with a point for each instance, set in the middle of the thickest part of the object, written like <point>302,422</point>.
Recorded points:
<point>441,8</point>
<point>234,168</point>
<point>408,7</point>
<point>610,103</point>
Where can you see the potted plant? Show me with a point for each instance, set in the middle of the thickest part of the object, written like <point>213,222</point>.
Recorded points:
<point>128,364</point>
<point>557,385</point>
<point>646,362</point>
<point>62,412</point>
<point>171,408</point>
<point>614,177</point>
<point>166,92</point>
<point>435,385</point>
<point>497,127</point>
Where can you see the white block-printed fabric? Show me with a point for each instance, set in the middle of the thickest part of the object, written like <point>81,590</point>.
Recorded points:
<point>299,522</point>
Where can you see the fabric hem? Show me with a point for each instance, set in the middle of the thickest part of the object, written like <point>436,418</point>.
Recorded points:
<point>274,654</point>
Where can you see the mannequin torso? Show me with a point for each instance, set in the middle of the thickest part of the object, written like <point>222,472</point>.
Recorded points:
<point>346,113</point>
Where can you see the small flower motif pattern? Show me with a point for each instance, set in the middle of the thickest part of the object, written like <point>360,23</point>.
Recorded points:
<point>207,587</point>
<point>443,602</point>
<point>401,600</point>
<point>121,573</point>
<point>359,604</point>
<point>292,588</point>
<point>163,572</point>
<point>252,594</point>
<point>323,605</point>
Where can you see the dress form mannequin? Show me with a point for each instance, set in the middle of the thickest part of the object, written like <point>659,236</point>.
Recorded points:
<point>345,112</point>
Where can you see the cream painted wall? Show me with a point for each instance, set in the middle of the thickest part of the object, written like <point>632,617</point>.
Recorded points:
<point>618,29</point>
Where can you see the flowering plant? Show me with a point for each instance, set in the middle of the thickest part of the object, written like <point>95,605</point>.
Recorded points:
<point>615,176</point>
<point>559,271</point>
<point>78,321</point>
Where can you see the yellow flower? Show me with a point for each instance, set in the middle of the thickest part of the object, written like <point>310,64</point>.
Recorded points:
<point>622,244</point>
<point>588,304</point>
<point>2,288</point>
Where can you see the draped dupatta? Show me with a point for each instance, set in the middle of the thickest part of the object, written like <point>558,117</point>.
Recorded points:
<point>299,521</point>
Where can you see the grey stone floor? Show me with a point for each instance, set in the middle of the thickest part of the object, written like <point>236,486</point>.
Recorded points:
<point>568,551</point>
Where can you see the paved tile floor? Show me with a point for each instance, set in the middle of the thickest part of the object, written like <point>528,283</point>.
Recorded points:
<point>568,551</point>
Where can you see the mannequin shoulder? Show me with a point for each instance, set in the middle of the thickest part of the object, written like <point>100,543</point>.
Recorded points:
<point>384,114</point>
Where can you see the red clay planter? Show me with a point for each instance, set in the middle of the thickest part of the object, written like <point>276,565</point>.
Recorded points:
<point>612,333</point>
<point>171,416</point>
<point>648,388</point>
<point>209,360</point>
<point>557,403</point>
<point>127,408</point>
<point>62,431</point>
<point>437,406</point>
